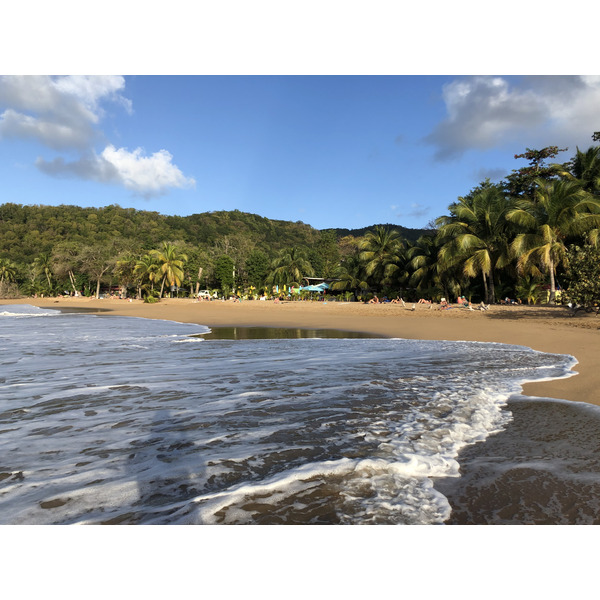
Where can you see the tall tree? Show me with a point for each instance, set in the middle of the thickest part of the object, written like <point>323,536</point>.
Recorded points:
<point>351,276</point>
<point>66,260</point>
<point>8,270</point>
<point>257,268</point>
<point>477,233</point>
<point>423,263</point>
<point>521,182</point>
<point>125,271</point>
<point>147,269</point>
<point>290,267</point>
<point>585,168</point>
<point>224,273</point>
<point>560,209</point>
<point>96,260</point>
<point>381,250</point>
<point>171,263</point>
<point>43,265</point>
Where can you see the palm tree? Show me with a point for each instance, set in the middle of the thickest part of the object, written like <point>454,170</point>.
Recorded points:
<point>529,289</point>
<point>351,275</point>
<point>423,263</point>
<point>171,263</point>
<point>586,169</point>
<point>146,268</point>
<point>381,250</point>
<point>476,235</point>
<point>290,267</point>
<point>8,270</point>
<point>559,209</point>
<point>43,264</point>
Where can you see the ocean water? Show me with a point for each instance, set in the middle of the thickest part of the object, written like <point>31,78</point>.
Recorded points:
<point>124,420</point>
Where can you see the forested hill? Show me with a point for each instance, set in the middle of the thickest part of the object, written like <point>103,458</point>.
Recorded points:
<point>412,235</point>
<point>28,231</point>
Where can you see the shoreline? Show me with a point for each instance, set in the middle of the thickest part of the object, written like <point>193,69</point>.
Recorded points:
<point>546,329</point>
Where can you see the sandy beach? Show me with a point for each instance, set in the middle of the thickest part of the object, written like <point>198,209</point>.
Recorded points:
<point>547,329</point>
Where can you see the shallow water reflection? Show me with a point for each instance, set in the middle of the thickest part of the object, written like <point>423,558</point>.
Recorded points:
<point>279,333</point>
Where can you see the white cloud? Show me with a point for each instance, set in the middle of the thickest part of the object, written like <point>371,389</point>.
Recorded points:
<point>146,176</point>
<point>59,112</point>
<point>485,112</point>
<point>63,113</point>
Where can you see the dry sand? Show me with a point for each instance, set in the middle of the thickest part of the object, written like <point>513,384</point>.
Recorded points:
<point>548,329</point>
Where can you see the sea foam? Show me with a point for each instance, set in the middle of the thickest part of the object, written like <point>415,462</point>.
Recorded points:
<point>114,419</point>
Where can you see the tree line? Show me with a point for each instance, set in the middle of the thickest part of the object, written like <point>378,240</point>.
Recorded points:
<point>527,237</point>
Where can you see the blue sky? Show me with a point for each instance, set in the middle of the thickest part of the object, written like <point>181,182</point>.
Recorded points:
<point>331,151</point>
<point>331,113</point>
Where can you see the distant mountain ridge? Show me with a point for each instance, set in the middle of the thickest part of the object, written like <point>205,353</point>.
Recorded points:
<point>412,235</point>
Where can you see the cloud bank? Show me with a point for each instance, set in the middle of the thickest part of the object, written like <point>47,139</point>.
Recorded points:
<point>485,112</point>
<point>64,113</point>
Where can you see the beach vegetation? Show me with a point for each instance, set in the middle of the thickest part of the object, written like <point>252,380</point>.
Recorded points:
<point>225,273</point>
<point>8,270</point>
<point>582,274</point>
<point>170,265</point>
<point>350,276</point>
<point>257,268</point>
<point>511,238</point>
<point>9,290</point>
<point>558,211</point>
<point>529,289</point>
<point>585,168</point>
<point>96,260</point>
<point>125,271</point>
<point>65,261</point>
<point>42,264</point>
<point>477,235</point>
<point>290,267</point>
<point>382,251</point>
<point>146,273</point>
<point>521,183</point>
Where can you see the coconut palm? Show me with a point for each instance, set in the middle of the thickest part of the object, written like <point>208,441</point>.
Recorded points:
<point>171,263</point>
<point>381,251</point>
<point>423,263</point>
<point>476,235</point>
<point>8,270</point>
<point>529,289</point>
<point>146,269</point>
<point>559,209</point>
<point>586,169</point>
<point>43,264</point>
<point>350,275</point>
<point>290,266</point>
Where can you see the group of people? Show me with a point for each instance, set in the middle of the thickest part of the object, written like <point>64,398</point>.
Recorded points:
<point>376,300</point>
<point>444,304</point>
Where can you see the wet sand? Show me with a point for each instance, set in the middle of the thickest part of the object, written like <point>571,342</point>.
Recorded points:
<point>547,329</point>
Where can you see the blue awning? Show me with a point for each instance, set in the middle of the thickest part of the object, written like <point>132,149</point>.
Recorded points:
<point>315,288</point>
